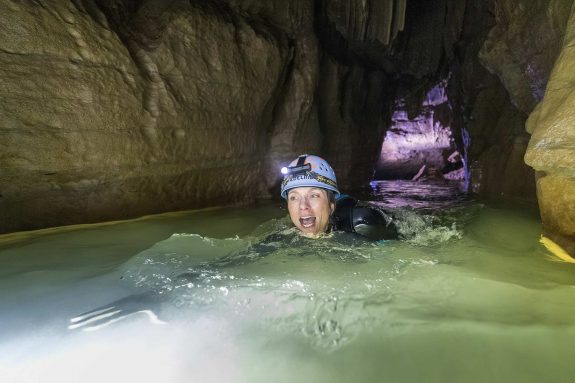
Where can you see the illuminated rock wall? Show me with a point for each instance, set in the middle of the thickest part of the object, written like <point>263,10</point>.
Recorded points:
<point>425,139</point>
<point>551,150</point>
<point>117,108</point>
<point>110,110</point>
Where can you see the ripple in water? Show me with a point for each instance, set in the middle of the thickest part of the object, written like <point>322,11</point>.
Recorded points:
<point>327,290</point>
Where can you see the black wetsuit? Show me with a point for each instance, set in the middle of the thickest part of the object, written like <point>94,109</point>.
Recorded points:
<point>351,216</point>
<point>358,217</point>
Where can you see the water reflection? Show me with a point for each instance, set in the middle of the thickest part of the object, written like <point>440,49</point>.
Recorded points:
<point>426,196</point>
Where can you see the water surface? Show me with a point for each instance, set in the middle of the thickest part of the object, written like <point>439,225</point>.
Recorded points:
<point>235,295</point>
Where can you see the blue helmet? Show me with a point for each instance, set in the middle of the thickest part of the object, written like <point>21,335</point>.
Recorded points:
<point>308,171</point>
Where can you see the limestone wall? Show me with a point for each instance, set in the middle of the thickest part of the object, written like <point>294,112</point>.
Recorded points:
<point>501,78</point>
<point>112,109</point>
<point>100,122</point>
<point>523,46</point>
<point>551,150</point>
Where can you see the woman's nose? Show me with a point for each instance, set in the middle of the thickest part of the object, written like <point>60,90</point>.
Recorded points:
<point>304,204</point>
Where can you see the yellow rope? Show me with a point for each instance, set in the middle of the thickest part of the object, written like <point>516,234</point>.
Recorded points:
<point>556,250</point>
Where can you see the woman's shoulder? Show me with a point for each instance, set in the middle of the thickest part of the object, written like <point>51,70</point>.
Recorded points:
<point>364,219</point>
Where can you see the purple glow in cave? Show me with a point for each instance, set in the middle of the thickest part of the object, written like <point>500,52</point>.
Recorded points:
<point>411,143</point>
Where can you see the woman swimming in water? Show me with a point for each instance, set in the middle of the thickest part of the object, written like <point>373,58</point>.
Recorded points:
<point>316,206</point>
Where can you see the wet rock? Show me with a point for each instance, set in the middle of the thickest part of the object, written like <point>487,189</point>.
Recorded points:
<point>551,150</point>
<point>557,204</point>
<point>294,123</point>
<point>102,121</point>
<point>487,127</point>
<point>118,108</point>
<point>497,147</point>
<point>523,45</point>
<point>360,30</point>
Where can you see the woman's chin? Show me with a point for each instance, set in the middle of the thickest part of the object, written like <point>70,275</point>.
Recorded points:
<point>311,232</point>
<point>308,231</point>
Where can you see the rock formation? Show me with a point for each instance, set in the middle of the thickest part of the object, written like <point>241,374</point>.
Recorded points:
<point>112,109</point>
<point>520,50</point>
<point>551,150</point>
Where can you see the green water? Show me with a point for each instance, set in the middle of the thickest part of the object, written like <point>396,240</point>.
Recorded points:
<point>468,295</point>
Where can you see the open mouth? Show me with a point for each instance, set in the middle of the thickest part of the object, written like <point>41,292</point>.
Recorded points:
<point>307,222</point>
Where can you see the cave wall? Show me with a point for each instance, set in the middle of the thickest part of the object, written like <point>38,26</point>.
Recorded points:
<point>521,50</point>
<point>425,140</point>
<point>523,45</point>
<point>530,51</point>
<point>371,52</point>
<point>505,60</point>
<point>551,150</point>
<point>112,109</point>
<point>355,89</point>
<point>489,128</point>
<point>116,109</point>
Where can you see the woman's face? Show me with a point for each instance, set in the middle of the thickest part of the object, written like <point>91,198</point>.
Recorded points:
<point>309,209</point>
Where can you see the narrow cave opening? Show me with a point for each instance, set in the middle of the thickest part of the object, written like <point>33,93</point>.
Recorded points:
<point>420,143</point>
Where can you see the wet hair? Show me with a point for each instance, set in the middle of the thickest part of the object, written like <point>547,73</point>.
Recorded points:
<point>331,221</point>
<point>330,198</point>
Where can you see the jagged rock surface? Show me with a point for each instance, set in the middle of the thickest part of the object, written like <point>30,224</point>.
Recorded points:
<point>522,50</point>
<point>523,45</point>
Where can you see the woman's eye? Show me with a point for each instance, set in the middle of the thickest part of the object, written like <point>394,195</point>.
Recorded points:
<point>292,198</point>
<point>315,195</point>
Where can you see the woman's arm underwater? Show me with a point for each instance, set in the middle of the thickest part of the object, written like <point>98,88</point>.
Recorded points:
<point>151,302</point>
<point>350,216</point>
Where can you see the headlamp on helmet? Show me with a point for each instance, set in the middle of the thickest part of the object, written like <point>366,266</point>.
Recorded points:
<point>299,168</point>
<point>308,171</point>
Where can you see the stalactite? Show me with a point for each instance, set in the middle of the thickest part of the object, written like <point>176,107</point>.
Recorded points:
<point>398,17</point>
<point>353,19</point>
<point>364,25</point>
<point>383,33</point>
<point>347,16</point>
<point>388,21</point>
<point>385,19</point>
